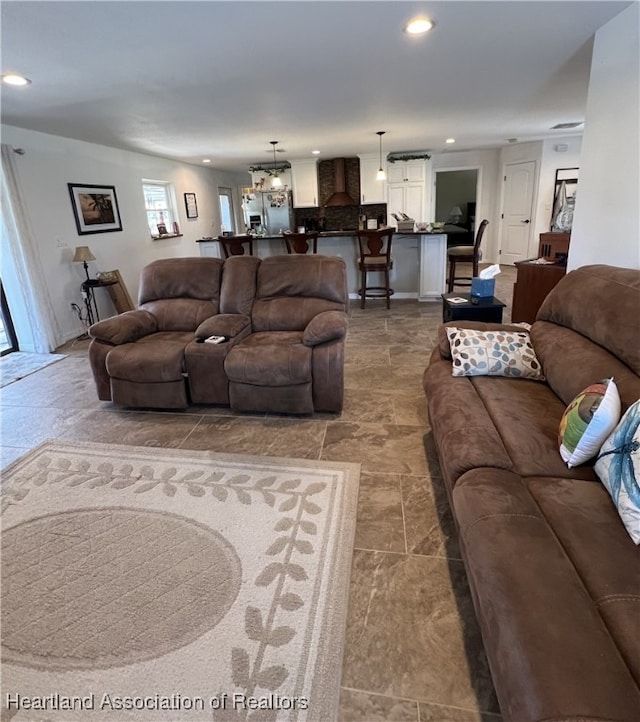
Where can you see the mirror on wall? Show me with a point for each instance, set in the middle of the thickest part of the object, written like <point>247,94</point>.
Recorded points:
<point>564,199</point>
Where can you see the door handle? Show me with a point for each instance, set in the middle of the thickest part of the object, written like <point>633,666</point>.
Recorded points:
<point>527,221</point>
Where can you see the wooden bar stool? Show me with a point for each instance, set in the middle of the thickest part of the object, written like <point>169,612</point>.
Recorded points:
<point>375,257</point>
<point>235,245</point>
<point>465,254</point>
<point>301,242</point>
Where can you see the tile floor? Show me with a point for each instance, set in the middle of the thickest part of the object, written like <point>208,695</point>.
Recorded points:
<point>413,648</point>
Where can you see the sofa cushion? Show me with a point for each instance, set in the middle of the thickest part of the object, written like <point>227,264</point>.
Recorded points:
<point>618,467</point>
<point>493,353</point>
<point>588,300</point>
<point>155,358</point>
<point>586,523</point>
<point>526,415</point>
<point>587,422</point>
<point>326,326</point>
<point>270,359</point>
<point>197,278</point>
<point>551,654</point>
<point>462,428</point>
<point>224,324</point>
<point>554,345</point>
<point>180,314</point>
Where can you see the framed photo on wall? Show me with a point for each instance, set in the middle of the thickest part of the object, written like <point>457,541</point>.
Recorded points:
<point>95,208</point>
<point>191,205</point>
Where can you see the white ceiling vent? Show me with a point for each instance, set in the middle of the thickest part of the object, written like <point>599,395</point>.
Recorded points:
<point>566,126</point>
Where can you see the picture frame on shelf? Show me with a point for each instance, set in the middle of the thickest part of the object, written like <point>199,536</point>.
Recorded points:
<point>95,208</point>
<point>191,205</point>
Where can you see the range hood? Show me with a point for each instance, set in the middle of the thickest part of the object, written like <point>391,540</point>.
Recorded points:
<point>340,197</point>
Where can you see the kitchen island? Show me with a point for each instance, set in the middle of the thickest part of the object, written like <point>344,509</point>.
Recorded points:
<point>419,259</point>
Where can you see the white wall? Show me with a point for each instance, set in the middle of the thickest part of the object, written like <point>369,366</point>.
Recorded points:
<point>50,162</point>
<point>606,227</point>
<point>550,161</point>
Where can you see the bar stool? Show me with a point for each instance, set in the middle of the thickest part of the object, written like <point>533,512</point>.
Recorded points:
<point>375,257</point>
<point>299,242</point>
<point>465,254</point>
<point>235,245</point>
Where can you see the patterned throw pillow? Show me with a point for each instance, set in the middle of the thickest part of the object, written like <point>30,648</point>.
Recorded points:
<point>493,353</point>
<point>587,421</point>
<point>618,468</point>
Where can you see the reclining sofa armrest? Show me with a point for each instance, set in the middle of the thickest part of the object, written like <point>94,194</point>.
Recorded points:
<point>326,326</point>
<point>224,324</point>
<point>443,339</point>
<point>125,328</point>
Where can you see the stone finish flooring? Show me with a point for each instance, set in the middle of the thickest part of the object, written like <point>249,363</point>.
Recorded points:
<point>413,649</point>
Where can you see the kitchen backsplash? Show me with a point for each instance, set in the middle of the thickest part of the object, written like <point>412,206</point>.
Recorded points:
<point>337,218</point>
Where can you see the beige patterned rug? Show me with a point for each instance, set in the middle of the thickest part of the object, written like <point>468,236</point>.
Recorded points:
<point>153,584</point>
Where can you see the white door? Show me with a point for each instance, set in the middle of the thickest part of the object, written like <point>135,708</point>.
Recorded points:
<point>517,209</point>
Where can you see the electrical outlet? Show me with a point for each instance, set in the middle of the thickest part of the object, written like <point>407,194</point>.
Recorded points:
<point>61,243</point>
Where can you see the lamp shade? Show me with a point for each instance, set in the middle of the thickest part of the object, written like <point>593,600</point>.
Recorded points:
<point>83,253</point>
<point>456,211</point>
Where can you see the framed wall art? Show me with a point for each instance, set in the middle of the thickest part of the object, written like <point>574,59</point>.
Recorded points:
<point>95,208</point>
<point>191,205</point>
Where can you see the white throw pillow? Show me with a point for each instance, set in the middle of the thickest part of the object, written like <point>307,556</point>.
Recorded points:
<point>618,468</point>
<point>493,353</point>
<point>587,421</point>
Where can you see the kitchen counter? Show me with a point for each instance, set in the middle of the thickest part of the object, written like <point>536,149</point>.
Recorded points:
<point>419,259</point>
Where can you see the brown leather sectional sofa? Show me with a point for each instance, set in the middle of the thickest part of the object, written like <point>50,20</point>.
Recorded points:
<point>284,319</point>
<point>555,577</point>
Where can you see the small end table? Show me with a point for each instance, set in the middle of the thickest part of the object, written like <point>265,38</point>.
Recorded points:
<point>487,309</point>
<point>89,297</point>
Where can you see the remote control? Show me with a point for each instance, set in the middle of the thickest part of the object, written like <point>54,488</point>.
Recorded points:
<point>215,339</point>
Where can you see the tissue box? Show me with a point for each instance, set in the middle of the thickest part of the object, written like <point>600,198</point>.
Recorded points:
<point>483,287</point>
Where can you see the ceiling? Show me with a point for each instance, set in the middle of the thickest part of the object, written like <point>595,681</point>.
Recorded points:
<point>219,80</point>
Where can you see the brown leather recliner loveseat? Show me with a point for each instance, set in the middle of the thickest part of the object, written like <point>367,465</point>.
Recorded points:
<point>284,319</point>
<point>554,574</point>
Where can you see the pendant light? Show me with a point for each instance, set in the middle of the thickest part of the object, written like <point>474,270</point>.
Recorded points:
<point>276,182</point>
<point>381,175</point>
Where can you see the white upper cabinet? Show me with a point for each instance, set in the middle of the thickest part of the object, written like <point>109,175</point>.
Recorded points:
<point>371,190</point>
<point>304,180</point>
<point>406,171</point>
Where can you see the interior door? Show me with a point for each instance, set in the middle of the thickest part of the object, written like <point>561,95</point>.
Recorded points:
<point>517,211</point>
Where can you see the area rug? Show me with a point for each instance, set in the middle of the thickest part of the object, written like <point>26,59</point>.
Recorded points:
<point>15,366</point>
<point>156,584</point>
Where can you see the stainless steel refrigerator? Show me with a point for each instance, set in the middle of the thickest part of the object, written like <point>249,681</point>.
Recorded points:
<point>271,211</point>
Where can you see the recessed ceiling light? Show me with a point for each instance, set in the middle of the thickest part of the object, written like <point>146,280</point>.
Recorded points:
<point>418,26</point>
<point>450,140</point>
<point>206,160</point>
<point>15,79</point>
<point>315,152</point>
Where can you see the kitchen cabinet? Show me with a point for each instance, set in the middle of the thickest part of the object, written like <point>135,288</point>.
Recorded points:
<point>406,171</point>
<point>371,190</point>
<point>406,188</point>
<point>406,198</point>
<point>304,181</point>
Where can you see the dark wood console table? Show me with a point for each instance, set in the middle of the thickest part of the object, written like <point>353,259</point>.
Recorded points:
<point>533,283</point>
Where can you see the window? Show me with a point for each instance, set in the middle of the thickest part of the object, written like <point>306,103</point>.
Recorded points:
<point>227,221</point>
<point>159,202</point>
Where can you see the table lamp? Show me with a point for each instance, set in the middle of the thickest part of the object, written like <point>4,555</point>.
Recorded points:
<point>83,254</point>
<point>456,214</point>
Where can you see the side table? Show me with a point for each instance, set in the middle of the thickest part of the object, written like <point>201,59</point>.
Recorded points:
<point>88,294</point>
<point>487,309</point>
